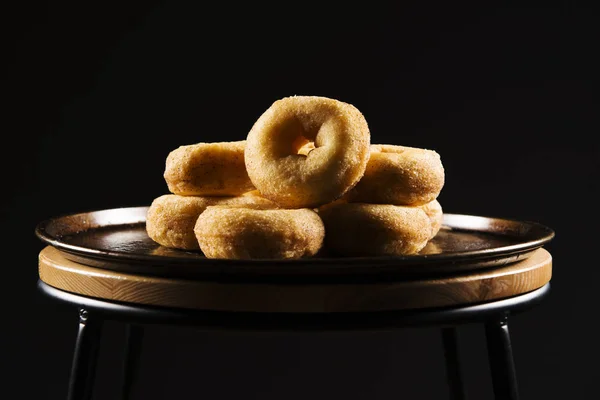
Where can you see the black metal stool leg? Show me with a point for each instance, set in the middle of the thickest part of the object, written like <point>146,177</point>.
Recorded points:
<point>83,368</point>
<point>453,373</point>
<point>133,347</point>
<point>502,366</point>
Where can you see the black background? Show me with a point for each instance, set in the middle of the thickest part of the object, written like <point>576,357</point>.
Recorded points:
<point>97,96</point>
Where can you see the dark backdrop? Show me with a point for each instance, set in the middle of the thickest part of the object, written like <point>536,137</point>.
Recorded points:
<point>96,97</point>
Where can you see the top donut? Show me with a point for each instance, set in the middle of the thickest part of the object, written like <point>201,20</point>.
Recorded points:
<point>281,168</point>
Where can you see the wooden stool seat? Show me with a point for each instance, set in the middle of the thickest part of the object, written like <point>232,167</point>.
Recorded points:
<point>486,295</point>
<point>450,290</point>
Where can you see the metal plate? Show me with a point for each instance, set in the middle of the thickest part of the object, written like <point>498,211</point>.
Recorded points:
<point>116,239</point>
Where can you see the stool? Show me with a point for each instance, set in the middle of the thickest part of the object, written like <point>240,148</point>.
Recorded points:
<point>487,296</point>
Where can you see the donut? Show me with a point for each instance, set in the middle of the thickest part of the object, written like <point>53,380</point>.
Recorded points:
<point>170,218</point>
<point>208,169</point>
<point>281,171</point>
<point>431,248</point>
<point>434,211</point>
<point>399,175</point>
<point>360,229</point>
<point>243,233</point>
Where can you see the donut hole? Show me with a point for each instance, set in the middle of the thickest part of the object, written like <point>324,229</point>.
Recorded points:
<point>293,139</point>
<point>318,142</point>
<point>304,140</point>
<point>304,146</point>
<point>300,135</point>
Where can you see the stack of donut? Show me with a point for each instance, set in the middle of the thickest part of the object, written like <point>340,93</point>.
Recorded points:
<point>306,181</point>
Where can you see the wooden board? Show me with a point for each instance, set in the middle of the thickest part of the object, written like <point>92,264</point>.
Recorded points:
<point>460,289</point>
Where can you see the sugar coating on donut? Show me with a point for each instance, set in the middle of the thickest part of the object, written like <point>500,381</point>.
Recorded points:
<point>400,175</point>
<point>171,218</point>
<point>286,168</point>
<point>434,211</point>
<point>241,233</point>
<point>358,229</point>
<point>208,169</point>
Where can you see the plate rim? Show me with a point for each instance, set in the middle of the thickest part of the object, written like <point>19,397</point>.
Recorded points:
<point>118,256</point>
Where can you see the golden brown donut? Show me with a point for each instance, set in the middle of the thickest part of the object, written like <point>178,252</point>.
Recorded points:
<point>399,175</point>
<point>208,169</point>
<point>170,218</point>
<point>242,233</point>
<point>359,229</point>
<point>284,172</point>
<point>431,248</point>
<point>434,211</point>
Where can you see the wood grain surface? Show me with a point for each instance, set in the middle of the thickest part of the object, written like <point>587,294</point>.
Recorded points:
<point>460,289</point>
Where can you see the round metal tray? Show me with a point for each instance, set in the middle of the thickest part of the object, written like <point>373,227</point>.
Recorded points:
<point>116,239</point>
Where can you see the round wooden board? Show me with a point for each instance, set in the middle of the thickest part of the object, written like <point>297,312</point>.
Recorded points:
<point>455,290</point>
